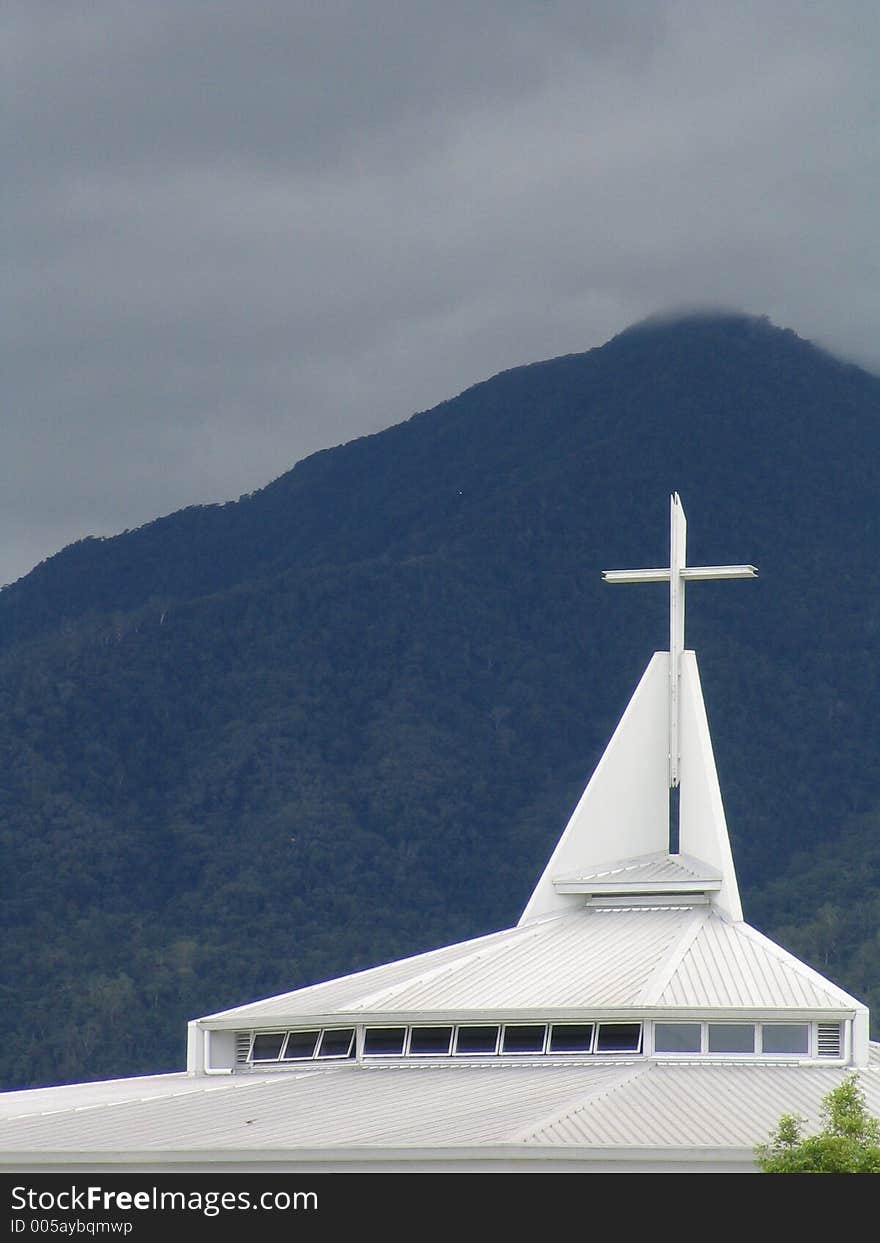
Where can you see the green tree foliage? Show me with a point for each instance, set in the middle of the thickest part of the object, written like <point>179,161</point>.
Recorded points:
<point>848,1143</point>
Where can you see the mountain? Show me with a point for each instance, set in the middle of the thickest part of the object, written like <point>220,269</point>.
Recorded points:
<point>252,745</point>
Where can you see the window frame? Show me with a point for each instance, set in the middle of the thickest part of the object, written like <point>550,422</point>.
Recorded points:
<point>758,1052</point>
<point>502,1052</point>
<point>388,1027</point>
<point>782,1053</point>
<point>335,1057</point>
<point>698,1023</point>
<point>259,1061</point>
<point>456,1052</point>
<point>640,1042</point>
<point>588,1052</point>
<point>414,1027</point>
<point>317,1032</point>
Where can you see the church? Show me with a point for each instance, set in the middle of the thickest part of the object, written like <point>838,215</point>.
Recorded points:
<point>631,1021</point>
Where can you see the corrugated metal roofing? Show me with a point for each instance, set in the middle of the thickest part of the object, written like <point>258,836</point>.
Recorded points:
<point>103,1092</point>
<point>731,965</point>
<point>340,994</point>
<point>595,957</point>
<point>326,1107</point>
<point>590,958</point>
<point>697,1106</point>
<point>628,1104</point>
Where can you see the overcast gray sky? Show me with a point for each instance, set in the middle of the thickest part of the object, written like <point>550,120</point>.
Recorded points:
<point>243,230</point>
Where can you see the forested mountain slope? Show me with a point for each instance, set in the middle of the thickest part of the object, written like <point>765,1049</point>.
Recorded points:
<point>345,718</point>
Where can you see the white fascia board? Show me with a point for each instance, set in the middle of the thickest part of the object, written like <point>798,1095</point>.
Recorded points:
<point>609,889</point>
<point>490,1158</point>
<point>643,1011</point>
<point>742,1014</point>
<point>433,1018</point>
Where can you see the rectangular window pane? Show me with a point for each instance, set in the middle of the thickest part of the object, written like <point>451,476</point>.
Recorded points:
<point>786,1037</point>
<point>677,1037</point>
<point>571,1038</point>
<point>619,1038</point>
<point>476,1040</point>
<point>731,1037</point>
<point>300,1044</point>
<point>383,1040</point>
<point>522,1039</point>
<point>336,1043</point>
<point>267,1047</point>
<point>423,1040</point>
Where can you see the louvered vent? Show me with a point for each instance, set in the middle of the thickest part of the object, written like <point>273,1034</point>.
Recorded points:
<point>829,1040</point>
<point>242,1047</point>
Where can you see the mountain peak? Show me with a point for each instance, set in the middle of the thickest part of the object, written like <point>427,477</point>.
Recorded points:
<point>703,319</point>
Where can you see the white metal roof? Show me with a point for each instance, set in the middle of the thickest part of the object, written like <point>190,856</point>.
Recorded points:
<point>732,966</point>
<point>692,1106</point>
<point>628,1104</point>
<point>343,993</point>
<point>32,1101</point>
<point>594,958</point>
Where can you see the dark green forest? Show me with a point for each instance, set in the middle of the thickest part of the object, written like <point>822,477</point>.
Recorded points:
<point>345,718</point>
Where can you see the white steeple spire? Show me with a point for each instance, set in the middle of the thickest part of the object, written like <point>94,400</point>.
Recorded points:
<point>677,575</point>
<point>617,840</point>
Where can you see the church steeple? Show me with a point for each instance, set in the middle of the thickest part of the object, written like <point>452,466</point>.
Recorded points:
<point>617,842</point>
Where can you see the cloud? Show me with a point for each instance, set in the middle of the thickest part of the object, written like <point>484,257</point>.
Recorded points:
<point>246,232</point>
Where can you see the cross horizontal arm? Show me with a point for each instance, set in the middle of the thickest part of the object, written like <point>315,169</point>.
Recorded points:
<point>690,573</point>
<point>635,576</point>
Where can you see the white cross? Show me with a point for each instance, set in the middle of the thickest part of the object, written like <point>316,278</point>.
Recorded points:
<point>677,575</point>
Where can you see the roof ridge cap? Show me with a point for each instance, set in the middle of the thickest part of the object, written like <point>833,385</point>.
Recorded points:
<point>350,975</point>
<point>628,863</point>
<point>669,964</point>
<point>432,973</point>
<point>628,1073</point>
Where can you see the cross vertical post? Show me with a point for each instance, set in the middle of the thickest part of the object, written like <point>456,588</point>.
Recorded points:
<point>677,562</point>
<point>678,573</point>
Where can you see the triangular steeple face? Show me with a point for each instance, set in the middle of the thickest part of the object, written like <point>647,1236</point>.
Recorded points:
<point>624,811</point>
<point>622,817</point>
